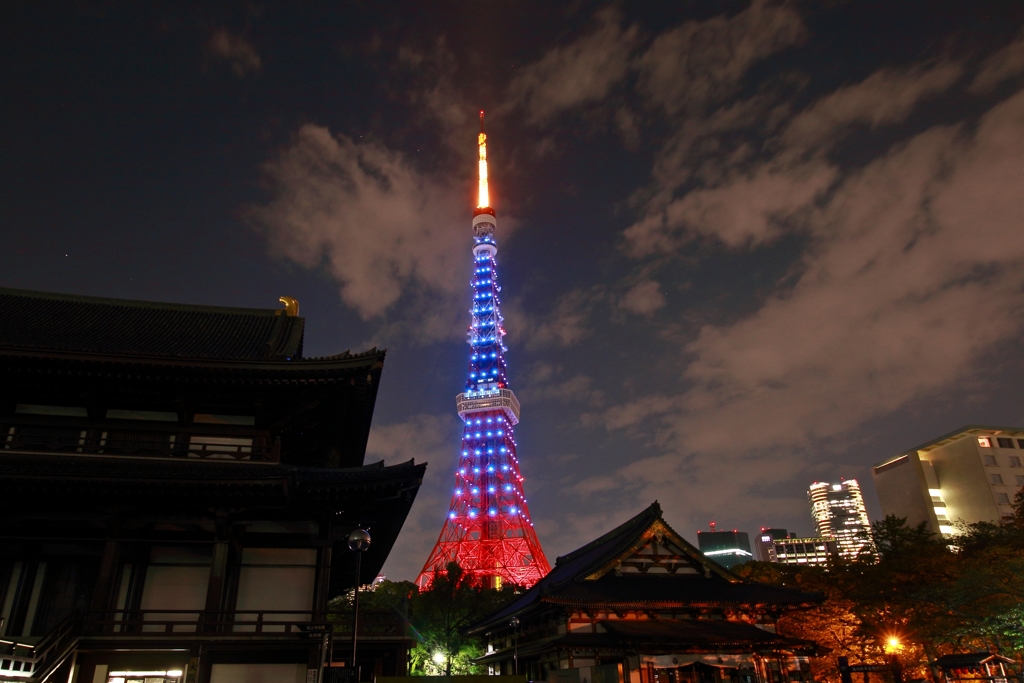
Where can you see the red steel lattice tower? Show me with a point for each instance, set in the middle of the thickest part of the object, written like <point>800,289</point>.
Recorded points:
<point>488,531</point>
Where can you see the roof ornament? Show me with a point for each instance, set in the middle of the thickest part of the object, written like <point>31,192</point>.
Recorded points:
<point>291,306</point>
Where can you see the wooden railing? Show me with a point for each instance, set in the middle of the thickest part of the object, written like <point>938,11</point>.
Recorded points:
<point>36,662</point>
<point>160,623</point>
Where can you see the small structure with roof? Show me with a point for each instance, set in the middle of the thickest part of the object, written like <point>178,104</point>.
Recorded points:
<point>643,605</point>
<point>974,666</point>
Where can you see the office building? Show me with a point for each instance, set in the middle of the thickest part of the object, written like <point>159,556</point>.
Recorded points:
<point>971,474</point>
<point>775,545</point>
<point>838,511</point>
<point>727,548</point>
<point>764,546</point>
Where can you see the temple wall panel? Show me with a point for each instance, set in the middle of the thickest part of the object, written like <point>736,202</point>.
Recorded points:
<point>277,579</point>
<point>258,673</point>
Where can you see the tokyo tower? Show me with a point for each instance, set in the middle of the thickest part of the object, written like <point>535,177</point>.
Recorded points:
<point>488,531</point>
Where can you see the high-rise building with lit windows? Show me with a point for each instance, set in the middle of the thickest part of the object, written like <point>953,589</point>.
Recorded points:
<point>488,531</point>
<point>838,511</point>
<point>971,474</point>
<point>727,548</point>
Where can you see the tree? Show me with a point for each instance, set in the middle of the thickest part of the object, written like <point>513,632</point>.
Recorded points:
<point>440,616</point>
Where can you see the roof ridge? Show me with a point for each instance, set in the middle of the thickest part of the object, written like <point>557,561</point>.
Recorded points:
<point>648,514</point>
<point>140,303</point>
<point>347,353</point>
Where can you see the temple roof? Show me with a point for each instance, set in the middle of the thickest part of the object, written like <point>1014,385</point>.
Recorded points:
<point>73,495</point>
<point>83,324</point>
<point>129,480</point>
<point>643,563</point>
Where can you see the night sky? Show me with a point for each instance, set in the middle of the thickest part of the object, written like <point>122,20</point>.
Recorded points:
<point>743,246</point>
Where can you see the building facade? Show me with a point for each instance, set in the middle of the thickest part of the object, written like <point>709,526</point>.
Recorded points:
<point>487,530</point>
<point>764,543</point>
<point>177,484</point>
<point>776,545</point>
<point>727,548</point>
<point>642,605</point>
<point>838,511</point>
<point>971,474</point>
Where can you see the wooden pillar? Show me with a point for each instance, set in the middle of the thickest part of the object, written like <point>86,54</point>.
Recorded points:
<point>323,568</point>
<point>218,575</point>
<point>102,596</point>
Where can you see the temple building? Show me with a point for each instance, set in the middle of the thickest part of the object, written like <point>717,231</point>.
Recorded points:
<point>642,605</point>
<point>177,484</point>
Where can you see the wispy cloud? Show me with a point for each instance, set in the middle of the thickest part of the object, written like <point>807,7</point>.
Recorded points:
<point>643,298</point>
<point>379,226</point>
<point>907,274</point>
<point>1004,65</point>
<point>581,72</point>
<point>568,321</point>
<point>239,53</point>
<point>701,63</point>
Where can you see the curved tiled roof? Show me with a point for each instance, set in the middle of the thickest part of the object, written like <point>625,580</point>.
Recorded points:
<point>569,581</point>
<point>81,324</point>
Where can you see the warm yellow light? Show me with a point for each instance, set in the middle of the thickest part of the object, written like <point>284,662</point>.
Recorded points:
<point>893,645</point>
<point>483,196</point>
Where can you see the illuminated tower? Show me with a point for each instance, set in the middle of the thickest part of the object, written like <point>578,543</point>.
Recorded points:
<point>488,531</point>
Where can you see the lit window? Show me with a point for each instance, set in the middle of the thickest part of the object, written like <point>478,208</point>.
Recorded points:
<point>984,442</point>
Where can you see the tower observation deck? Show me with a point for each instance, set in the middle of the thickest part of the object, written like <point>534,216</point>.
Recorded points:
<point>488,530</point>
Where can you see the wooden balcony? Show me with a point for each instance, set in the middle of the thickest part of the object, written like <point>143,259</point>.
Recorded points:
<point>151,441</point>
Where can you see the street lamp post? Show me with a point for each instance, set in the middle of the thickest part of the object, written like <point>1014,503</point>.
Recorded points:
<point>359,543</point>
<point>515,644</point>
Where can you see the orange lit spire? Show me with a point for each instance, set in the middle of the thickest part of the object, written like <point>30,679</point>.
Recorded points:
<point>483,195</point>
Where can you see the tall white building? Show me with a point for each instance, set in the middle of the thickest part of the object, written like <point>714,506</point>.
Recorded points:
<point>971,474</point>
<point>838,511</point>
